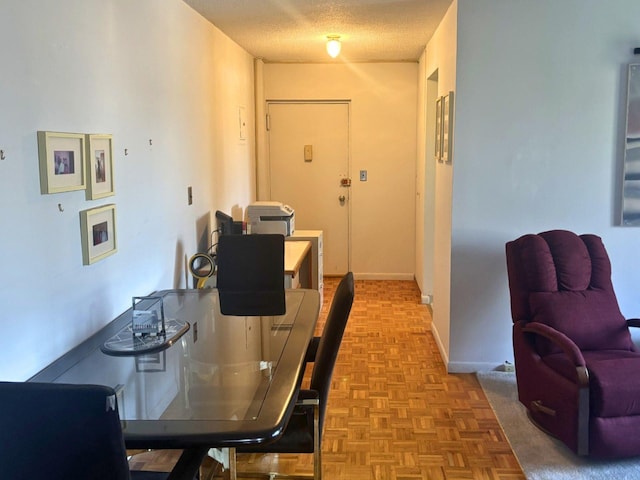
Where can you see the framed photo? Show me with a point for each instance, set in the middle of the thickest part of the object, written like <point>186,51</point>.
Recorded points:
<point>438,137</point>
<point>447,127</point>
<point>98,232</point>
<point>61,158</point>
<point>631,178</point>
<point>99,166</point>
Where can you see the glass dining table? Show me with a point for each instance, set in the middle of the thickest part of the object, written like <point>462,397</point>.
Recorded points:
<point>222,381</point>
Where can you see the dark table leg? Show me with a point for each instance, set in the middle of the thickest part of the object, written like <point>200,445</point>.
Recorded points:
<point>188,466</point>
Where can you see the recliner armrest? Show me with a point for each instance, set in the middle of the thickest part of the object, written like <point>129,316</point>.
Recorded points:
<point>633,322</point>
<point>567,345</point>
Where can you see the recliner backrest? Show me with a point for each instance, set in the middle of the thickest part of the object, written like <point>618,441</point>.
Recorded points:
<point>330,341</point>
<point>564,280</point>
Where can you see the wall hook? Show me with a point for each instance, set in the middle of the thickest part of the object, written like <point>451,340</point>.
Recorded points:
<point>150,141</point>
<point>2,155</point>
<point>126,151</point>
<point>60,207</point>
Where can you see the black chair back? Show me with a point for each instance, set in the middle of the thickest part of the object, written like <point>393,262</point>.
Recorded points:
<point>60,432</point>
<point>250,278</point>
<point>327,353</point>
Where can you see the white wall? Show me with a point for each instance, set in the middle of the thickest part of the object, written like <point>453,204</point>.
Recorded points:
<point>540,91</point>
<point>440,61</point>
<point>383,142</point>
<point>139,72</point>
<point>425,285</point>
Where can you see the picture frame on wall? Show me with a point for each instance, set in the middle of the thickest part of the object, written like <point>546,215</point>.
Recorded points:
<point>447,127</point>
<point>61,158</point>
<point>631,165</point>
<point>438,136</point>
<point>98,233</point>
<point>99,166</point>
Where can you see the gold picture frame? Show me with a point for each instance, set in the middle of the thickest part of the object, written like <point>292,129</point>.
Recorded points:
<point>61,157</point>
<point>99,166</point>
<point>447,127</point>
<point>98,233</point>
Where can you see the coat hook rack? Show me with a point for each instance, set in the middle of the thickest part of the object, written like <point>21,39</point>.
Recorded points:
<point>2,155</point>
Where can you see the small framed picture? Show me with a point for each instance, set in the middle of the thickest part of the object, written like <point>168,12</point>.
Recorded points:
<point>447,127</point>
<point>98,232</point>
<point>99,166</point>
<point>61,158</point>
<point>438,136</point>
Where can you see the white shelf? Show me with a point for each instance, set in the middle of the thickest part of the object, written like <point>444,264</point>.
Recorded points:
<point>317,272</point>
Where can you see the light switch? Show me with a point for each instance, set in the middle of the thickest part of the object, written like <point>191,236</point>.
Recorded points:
<point>308,153</point>
<point>363,175</point>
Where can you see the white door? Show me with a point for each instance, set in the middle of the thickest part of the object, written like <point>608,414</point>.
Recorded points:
<point>309,171</point>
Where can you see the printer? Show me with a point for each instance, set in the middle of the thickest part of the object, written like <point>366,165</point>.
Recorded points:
<point>270,217</point>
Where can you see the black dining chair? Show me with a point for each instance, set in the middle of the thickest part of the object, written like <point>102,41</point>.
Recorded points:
<point>250,274</point>
<point>303,433</point>
<point>63,432</point>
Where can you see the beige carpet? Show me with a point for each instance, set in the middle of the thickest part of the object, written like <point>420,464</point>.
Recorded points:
<point>541,456</point>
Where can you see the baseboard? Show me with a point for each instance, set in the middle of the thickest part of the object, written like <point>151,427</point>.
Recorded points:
<point>443,352</point>
<point>471,367</point>
<point>383,276</point>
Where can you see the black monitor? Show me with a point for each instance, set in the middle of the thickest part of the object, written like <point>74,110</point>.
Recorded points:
<point>224,223</point>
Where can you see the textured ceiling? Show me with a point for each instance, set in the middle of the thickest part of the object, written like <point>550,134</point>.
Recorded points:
<point>296,30</point>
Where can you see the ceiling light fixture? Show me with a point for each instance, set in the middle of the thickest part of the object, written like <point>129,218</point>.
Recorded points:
<point>333,45</point>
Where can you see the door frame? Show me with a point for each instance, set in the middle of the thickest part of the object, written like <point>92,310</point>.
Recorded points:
<point>346,102</point>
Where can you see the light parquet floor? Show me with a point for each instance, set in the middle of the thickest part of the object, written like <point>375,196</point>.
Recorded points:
<point>394,413</point>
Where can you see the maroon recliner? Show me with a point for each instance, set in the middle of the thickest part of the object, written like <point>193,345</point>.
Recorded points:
<point>577,369</point>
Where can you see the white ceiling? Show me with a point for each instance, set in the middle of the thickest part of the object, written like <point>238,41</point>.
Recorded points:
<point>296,30</point>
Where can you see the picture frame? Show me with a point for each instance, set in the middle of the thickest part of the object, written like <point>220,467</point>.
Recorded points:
<point>98,233</point>
<point>447,127</point>
<point>61,158</point>
<point>630,208</point>
<point>99,166</point>
<point>438,135</point>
